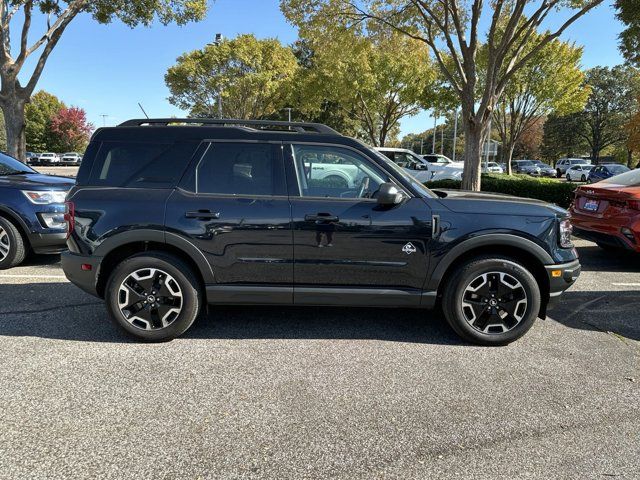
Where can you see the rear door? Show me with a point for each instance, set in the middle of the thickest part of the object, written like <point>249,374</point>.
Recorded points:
<point>347,248</point>
<point>233,207</point>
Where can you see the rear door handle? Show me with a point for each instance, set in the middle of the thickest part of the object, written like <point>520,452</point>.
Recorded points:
<point>321,218</point>
<point>202,214</point>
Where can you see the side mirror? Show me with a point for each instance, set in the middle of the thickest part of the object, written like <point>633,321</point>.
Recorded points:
<point>388,194</point>
<point>420,166</point>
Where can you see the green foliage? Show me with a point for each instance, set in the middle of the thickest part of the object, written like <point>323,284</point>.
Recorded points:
<point>629,14</point>
<point>144,12</point>
<point>546,189</point>
<point>561,138</point>
<point>254,78</point>
<point>39,113</point>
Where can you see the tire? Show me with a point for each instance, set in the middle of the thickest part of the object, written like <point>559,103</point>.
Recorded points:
<point>12,247</point>
<point>568,178</point>
<point>483,328</point>
<point>583,178</point>
<point>559,173</point>
<point>178,311</point>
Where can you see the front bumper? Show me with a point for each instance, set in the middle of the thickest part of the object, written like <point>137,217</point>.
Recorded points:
<point>48,243</point>
<point>561,277</point>
<point>85,279</point>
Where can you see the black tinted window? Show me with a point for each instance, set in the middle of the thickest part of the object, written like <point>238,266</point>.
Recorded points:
<point>133,164</point>
<point>239,169</point>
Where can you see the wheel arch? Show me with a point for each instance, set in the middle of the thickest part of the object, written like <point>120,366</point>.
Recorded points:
<point>126,245</point>
<point>531,255</point>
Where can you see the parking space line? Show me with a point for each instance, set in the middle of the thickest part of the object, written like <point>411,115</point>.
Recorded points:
<point>34,276</point>
<point>626,284</point>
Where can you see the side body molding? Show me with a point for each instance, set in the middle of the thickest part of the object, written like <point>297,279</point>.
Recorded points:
<point>491,239</point>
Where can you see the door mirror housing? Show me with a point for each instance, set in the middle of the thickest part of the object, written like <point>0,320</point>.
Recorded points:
<point>420,166</point>
<point>388,194</point>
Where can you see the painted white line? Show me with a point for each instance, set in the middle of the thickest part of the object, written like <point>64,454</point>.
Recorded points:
<point>34,276</point>
<point>626,284</point>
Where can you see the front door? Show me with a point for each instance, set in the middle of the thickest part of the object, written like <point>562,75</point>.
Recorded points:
<point>347,248</point>
<point>233,207</point>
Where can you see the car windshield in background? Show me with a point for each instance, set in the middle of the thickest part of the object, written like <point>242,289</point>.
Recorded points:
<point>525,163</point>
<point>616,169</point>
<point>11,166</point>
<point>627,179</point>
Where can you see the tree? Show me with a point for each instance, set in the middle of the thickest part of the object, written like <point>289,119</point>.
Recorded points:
<point>551,82</point>
<point>38,114</point>
<point>253,77</point>
<point>529,143</point>
<point>375,76</point>
<point>629,14</point>
<point>561,137</point>
<point>451,29</point>
<point>632,129</point>
<point>71,130</point>
<point>609,107</point>
<point>14,96</point>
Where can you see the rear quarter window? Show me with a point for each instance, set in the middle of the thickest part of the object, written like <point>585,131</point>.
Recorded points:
<point>138,164</point>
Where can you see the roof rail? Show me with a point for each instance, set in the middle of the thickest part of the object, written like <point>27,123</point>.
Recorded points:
<point>300,127</point>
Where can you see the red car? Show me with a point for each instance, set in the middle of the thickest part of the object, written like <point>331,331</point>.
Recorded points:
<point>608,212</point>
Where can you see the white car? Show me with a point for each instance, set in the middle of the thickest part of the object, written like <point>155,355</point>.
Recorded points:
<point>440,159</point>
<point>565,164</point>
<point>578,173</point>
<point>49,159</point>
<point>491,167</point>
<point>71,158</point>
<point>421,169</point>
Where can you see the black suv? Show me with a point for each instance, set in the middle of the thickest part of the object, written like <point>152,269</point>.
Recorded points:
<point>170,215</point>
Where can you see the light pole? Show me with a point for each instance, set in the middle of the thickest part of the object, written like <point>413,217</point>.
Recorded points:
<point>104,119</point>
<point>435,120</point>
<point>216,42</point>
<point>288,109</point>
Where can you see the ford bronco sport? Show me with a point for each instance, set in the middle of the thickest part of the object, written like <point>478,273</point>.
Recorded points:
<point>169,215</point>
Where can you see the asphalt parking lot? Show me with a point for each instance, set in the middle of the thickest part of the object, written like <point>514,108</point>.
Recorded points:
<point>319,393</point>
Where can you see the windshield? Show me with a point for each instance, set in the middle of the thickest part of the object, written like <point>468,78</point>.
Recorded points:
<point>627,179</point>
<point>525,163</point>
<point>11,166</point>
<point>616,169</point>
<point>415,183</point>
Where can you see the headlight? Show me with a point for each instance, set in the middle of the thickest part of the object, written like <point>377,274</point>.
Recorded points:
<point>45,197</point>
<point>565,234</point>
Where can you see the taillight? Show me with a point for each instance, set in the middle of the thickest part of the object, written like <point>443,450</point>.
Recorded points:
<point>70,217</point>
<point>633,204</point>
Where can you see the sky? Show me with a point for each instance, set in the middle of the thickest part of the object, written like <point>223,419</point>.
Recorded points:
<point>108,69</point>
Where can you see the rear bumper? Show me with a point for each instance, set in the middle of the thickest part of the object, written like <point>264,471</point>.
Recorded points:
<point>48,243</point>
<point>561,277</point>
<point>87,280</point>
<point>610,238</point>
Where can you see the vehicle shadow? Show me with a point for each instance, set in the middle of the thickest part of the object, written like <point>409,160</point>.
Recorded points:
<point>594,259</point>
<point>61,311</point>
<point>602,311</point>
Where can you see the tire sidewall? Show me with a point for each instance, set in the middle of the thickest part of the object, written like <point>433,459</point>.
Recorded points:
<point>495,265</point>
<point>9,260</point>
<point>191,295</point>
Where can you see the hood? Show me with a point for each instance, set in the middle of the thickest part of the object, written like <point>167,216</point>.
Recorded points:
<point>36,181</point>
<point>463,201</point>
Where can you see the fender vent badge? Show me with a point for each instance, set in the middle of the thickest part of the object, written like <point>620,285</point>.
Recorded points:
<point>409,248</point>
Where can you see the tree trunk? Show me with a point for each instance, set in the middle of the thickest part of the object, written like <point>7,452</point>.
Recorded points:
<point>508,149</point>
<point>14,120</point>
<point>629,158</point>
<point>472,144</point>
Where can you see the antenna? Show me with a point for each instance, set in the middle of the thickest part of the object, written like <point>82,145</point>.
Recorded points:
<point>145,113</point>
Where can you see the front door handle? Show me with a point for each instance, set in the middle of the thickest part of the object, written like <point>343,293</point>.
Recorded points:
<point>321,217</point>
<point>202,214</point>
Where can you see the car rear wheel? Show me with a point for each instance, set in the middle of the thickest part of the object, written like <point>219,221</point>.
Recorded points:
<point>153,296</point>
<point>583,178</point>
<point>491,300</point>
<point>12,247</point>
<point>559,173</point>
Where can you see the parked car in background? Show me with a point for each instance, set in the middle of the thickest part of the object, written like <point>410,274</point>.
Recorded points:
<point>165,219</point>
<point>578,173</point>
<point>565,164</point>
<point>522,166</point>
<point>71,158</point>
<point>439,159</point>
<point>491,167</point>
<point>32,158</point>
<point>31,212</point>
<point>49,159</point>
<point>541,169</point>
<point>608,212</point>
<point>420,168</point>
<point>602,172</point>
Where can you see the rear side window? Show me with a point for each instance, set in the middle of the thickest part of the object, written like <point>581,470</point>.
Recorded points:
<point>139,164</point>
<point>238,168</point>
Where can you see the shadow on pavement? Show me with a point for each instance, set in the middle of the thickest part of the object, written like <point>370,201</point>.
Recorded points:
<point>61,311</point>
<point>594,259</point>
<point>602,311</point>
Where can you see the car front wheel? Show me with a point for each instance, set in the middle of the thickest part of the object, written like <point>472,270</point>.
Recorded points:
<point>491,300</point>
<point>153,296</point>
<point>12,247</point>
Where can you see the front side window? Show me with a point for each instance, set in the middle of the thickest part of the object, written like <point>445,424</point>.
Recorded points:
<point>335,172</point>
<point>237,168</point>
